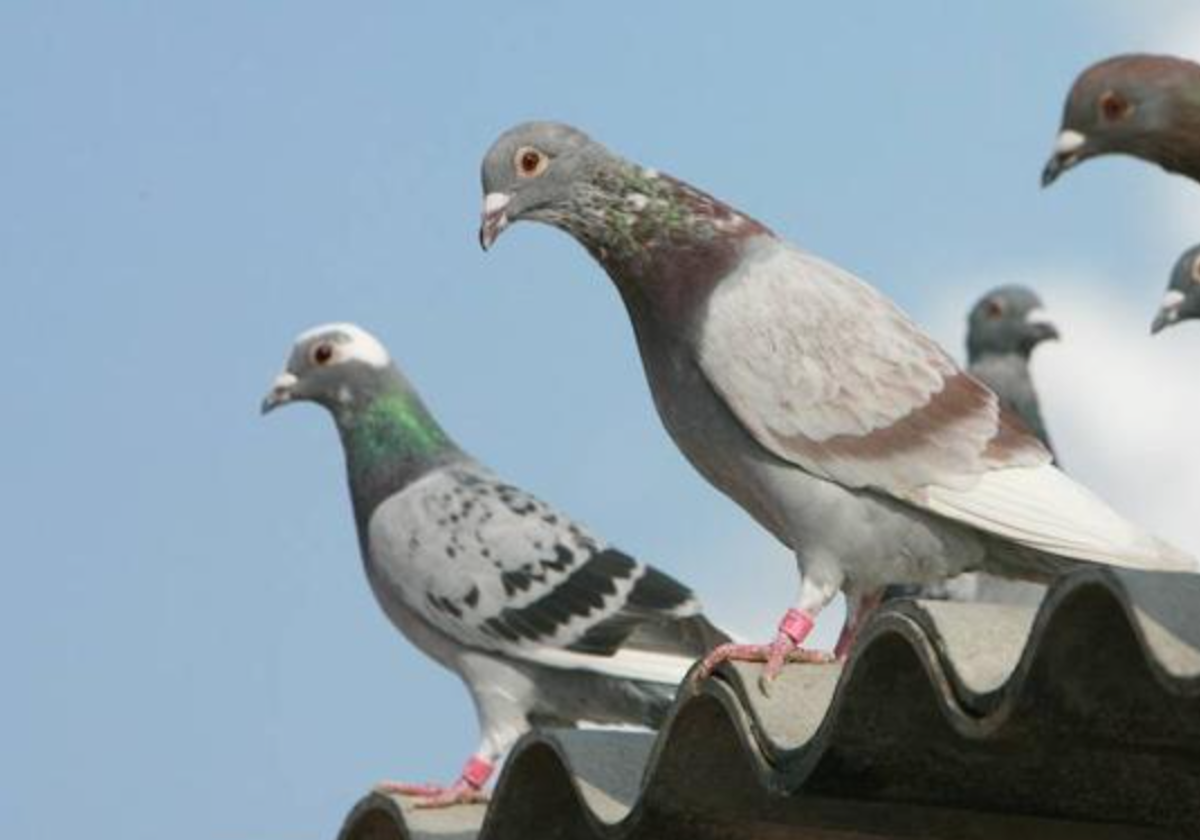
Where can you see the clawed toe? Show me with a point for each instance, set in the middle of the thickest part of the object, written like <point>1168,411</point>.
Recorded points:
<point>406,789</point>
<point>731,653</point>
<point>770,656</point>
<point>811,657</point>
<point>434,796</point>
<point>451,797</point>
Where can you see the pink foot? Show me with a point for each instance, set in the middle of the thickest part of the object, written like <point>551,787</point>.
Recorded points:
<point>795,626</point>
<point>435,796</point>
<point>861,609</point>
<point>845,641</point>
<point>467,790</point>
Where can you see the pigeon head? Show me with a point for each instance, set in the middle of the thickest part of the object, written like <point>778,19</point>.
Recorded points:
<point>338,366</point>
<point>662,241</point>
<point>1137,105</point>
<point>389,437</point>
<point>533,172</point>
<point>1182,300</point>
<point>1007,320</point>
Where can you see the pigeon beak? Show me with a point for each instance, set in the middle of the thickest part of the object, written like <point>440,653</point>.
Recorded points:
<point>1042,328</point>
<point>1168,313</point>
<point>281,393</point>
<point>495,219</point>
<point>1068,151</point>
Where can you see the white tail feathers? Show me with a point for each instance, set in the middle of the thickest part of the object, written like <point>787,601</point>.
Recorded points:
<point>626,664</point>
<point>1044,509</point>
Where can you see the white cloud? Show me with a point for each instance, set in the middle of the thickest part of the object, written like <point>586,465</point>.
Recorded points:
<point>1121,406</point>
<point>1162,26</point>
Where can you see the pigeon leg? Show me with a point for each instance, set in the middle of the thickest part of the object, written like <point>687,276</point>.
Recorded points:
<point>467,789</point>
<point>797,623</point>
<point>794,627</point>
<point>858,609</point>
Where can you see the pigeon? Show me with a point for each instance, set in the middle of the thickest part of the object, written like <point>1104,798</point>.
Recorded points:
<point>1182,300</point>
<point>544,622</point>
<point>1147,106</point>
<point>1003,329</point>
<point>808,397</point>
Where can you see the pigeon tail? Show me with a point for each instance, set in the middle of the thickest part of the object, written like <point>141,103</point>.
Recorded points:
<point>1040,508</point>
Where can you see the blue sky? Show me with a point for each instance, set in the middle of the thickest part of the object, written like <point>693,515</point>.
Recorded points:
<point>185,628</point>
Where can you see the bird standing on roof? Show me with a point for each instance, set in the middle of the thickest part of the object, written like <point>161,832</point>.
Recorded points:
<point>544,622</point>
<point>1147,106</point>
<point>1182,300</point>
<point>808,397</point>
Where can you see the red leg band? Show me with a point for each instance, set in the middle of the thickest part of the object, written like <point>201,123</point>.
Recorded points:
<point>477,772</point>
<point>796,625</point>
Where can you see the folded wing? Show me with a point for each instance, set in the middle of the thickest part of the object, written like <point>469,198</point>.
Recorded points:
<point>514,577</point>
<point>828,374</point>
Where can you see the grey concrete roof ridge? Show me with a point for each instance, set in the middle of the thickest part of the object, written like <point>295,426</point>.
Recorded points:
<point>1079,719</point>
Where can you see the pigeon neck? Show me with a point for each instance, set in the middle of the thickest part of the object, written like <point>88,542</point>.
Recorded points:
<point>664,243</point>
<point>390,440</point>
<point>1179,150</point>
<point>1016,358</point>
<point>1175,144</point>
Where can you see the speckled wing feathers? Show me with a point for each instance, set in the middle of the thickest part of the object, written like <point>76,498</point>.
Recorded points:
<point>498,570</point>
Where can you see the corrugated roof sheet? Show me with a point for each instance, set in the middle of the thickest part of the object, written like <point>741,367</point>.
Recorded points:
<point>1081,719</point>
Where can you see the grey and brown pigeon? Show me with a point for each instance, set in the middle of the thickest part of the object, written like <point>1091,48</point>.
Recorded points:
<point>1182,299</point>
<point>1147,106</point>
<point>807,396</point>
<point>544,622</point>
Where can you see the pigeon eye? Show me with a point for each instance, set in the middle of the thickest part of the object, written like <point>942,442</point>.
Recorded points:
<point>993,309</point>
<point>1114,106</point>
<point>1196,271</point>
<point>530,162</point>
<point>323,353</point>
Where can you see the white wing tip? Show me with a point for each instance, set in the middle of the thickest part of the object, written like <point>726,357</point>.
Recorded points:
<point>1045,509</point>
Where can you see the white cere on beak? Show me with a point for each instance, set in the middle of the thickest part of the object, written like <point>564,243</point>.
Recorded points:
<point>352,342</point>
<point>284,382</point>
<point>1069,142</point>
<point>495,202</point>
<point>1038,315</point>
<point>1172,299</point>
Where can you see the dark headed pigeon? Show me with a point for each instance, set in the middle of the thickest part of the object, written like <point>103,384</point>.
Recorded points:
<point>1002,330</point>
<point>808,397</point>
<point>1182,300</point>
<point>545,623</point>
<point>1147,106</point>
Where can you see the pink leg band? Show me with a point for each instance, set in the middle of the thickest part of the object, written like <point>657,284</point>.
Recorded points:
<point>477,772</point>
<point>796,625</point>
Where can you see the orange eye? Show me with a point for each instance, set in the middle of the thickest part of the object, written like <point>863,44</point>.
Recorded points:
<point>530,162</point>
<point>993,309</point>
<point>322,354</point>
<point>1196,271</point>
<point>1114,106</point>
